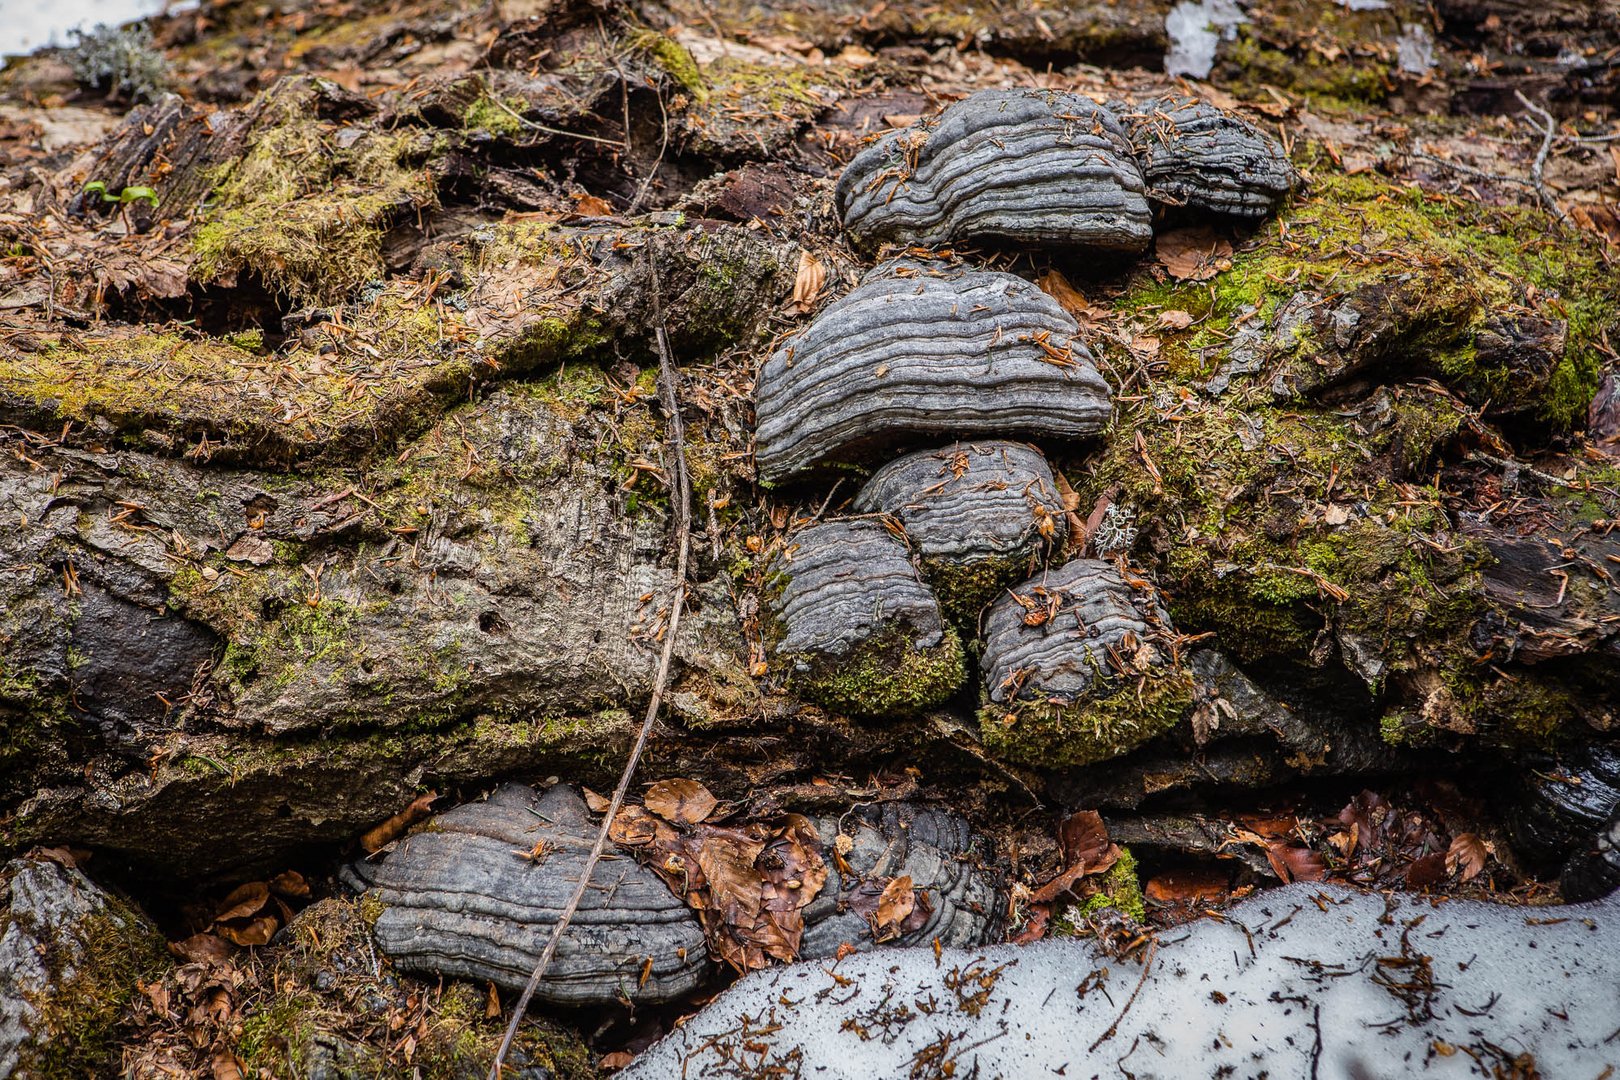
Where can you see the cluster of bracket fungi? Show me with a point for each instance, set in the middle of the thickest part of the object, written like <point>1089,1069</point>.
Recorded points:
<point>870,612</point>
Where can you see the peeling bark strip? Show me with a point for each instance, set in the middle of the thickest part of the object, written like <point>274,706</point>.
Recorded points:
<point>1022,166</point>
<point>925,348</point>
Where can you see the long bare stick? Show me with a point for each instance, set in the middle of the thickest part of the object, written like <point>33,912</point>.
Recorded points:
<point>683,537</point>
<point>1549,129</point>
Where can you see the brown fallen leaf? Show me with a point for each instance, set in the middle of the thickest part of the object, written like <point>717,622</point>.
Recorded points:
<point>1084,837</point>
<point>201,948</point>
<point>256,931</point>
<point>894,906</point>
<point>290,883</point>
<point>1292,863</point>
<point>592,206</point>
<point>615,1061</point>
<point>1070,299</point>
<point>1466,856</point>
<point>596,803</point>
<point>809,281</point>
<point>227,1066</point>
<point>374,840</point>
<point>1175,320</point>
<point>1196,884</point>
<point>251,548</point>
<point>243,901</point>
<point>1195,254</point>
<point>492,1002</point>
<point>684,802</point>
<point>1426,871</point>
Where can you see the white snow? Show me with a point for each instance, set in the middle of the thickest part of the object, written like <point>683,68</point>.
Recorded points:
<point>1304,981</point>
<point>26,25</point>
<point>1195,28</point>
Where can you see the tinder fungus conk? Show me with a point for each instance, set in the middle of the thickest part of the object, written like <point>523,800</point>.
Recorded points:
<point>925,348</point>
<point>475,896</point>
<point>1019,166</point>
<point>854,625</point>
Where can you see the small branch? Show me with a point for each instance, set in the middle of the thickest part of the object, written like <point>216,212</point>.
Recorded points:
<point>680,503</point>
<point>1469,170</point>
<point>526,122</point>
<point>1549,131</point>
<point>1147,966</point>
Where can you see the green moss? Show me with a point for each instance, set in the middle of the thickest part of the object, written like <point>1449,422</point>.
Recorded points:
<point>964,589</point>
<point>885,676</point>
<point>1054,735</point>
<point>486,114</point>
<point>92,981</point>
<point>302,210</point>
<point>673,58</point>
<point>1119,889</point>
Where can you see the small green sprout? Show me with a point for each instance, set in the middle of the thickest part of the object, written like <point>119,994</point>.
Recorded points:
<point>124,199</point>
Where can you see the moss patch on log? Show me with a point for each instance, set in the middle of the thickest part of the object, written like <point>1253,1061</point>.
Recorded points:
<point>885,676</point>
<point>1056,734</point>
<point>307,205</point>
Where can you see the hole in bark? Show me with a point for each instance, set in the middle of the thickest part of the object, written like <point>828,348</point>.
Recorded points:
<point>490,622</point>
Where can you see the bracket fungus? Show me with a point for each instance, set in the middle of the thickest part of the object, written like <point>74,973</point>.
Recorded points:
<point>925,348</point>
<point>953,899</point>
<point>1079,667</point>
<point>855,626</point>
<point>476,894</point>
<point>1022,166</point>
<point>1201,158</point>
<point>977,512</point>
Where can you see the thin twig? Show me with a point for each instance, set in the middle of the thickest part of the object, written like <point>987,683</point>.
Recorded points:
<point>1469,170</point>
<point>1549,130</point>
<point>526,122</point>
<point>680,501</point>
<point>1147,966</point>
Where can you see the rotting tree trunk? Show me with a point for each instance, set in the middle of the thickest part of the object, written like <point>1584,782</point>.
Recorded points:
<point>339,475</point>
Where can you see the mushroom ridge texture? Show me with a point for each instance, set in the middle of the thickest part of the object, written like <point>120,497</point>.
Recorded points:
<point>1021,165</point>
<point>1201,158</point>
<point>475,896</point>
<point>920,348</point>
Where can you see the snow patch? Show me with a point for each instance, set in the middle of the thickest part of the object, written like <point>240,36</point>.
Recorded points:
<point>1195,29</point>
<point>1306,980</point>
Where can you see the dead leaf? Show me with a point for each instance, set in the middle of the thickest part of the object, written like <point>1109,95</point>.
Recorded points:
<point>684,802</point>
<point>251,548</point>
<point>1175,320</point>
<point>201,948</point>
<point>1084,837</point>
<point>1070,299</point>
<point>1292,863</point>
<point>244,901</point>
<point>1036,919</point>
<point>227,1066</point>
<point>809,281</point>
<point>1195,884</point>
<point>395,827</point>
<point>1429,870</point>
<point>290,883</point>
<point>592,206</point>
<point>1195,254</point>
<point>1466,856</point>
<point>257,931</point>
<point>595,803</point>
<point>615,1061</point>
<point>492,1003</point>
<point>894,906</point>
